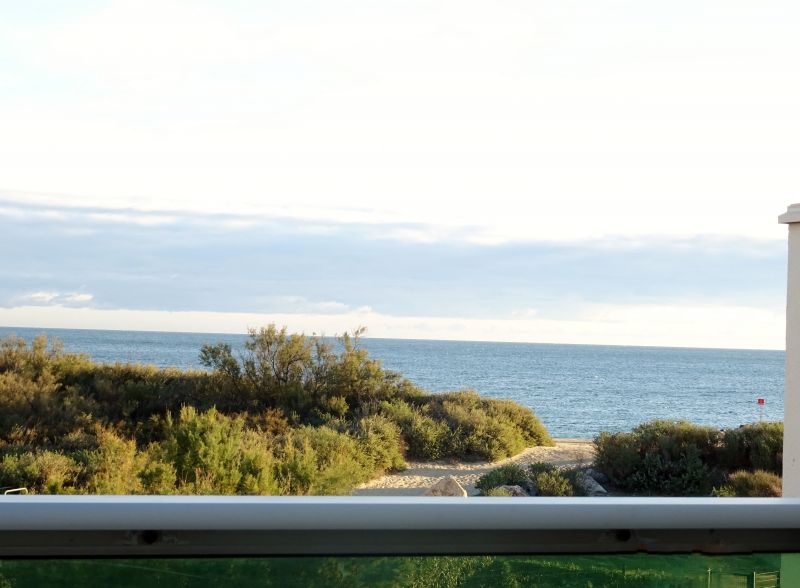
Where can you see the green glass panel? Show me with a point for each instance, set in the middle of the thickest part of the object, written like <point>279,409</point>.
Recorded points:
<point>565,571</point>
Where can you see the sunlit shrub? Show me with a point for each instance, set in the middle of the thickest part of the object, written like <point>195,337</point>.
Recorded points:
<point>157,476</point>
<point>319,460</point>
<point>381,444</point>
<point>751,484</point>
<point>111,468</point>
<point>482,428</point>
<point>552,483</point>
<point>41,472</point>
<point>204,448</point>
<point>498,492</point>
<point>292,414</point>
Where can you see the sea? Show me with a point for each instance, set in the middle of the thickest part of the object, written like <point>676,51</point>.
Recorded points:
<point>576,390</point>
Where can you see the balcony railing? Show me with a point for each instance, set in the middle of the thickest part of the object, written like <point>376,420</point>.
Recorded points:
<point>147,526</point>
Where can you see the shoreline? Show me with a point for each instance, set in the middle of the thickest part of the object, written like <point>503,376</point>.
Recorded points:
<point>421,475</point>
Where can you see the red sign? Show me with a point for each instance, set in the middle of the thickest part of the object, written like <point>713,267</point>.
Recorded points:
<point>761,401</point>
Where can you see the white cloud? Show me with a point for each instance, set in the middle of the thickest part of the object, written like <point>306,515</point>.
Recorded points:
<point>56,298</point>
<point>42,297</point>
<point>525,313</point>
<point>303,304</point>
<point>78,297</point>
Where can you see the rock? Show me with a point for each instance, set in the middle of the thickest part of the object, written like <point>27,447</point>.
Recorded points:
<point>448,486</point>
<point>590,485</point>
<point>598,477</point>
<point>514,490</point>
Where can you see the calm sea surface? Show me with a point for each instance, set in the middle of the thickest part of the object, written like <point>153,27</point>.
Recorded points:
<point>577,390</point>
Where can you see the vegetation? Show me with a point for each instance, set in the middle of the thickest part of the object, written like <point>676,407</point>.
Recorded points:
<point>507,475</point>
<point>751,484</point>
<point>636,570</point>
<point>677,458</point>
<point>548,480</point>
<point>290,415</point>
<point>540,479</point>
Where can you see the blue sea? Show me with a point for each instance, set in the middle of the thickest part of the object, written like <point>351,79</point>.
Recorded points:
<point>577,390</point>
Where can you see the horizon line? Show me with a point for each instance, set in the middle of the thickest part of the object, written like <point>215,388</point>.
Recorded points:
<point>336,335</point>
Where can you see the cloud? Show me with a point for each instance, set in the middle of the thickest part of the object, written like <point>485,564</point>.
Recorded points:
<point>42,297</point>
<point>111,259</point>
<point>174,261</point>
<point>56,298</point>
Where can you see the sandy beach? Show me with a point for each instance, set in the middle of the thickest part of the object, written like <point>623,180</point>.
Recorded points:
<point>421,475</point>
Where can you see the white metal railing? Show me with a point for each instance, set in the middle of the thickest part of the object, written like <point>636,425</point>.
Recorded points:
<point>195,525</point>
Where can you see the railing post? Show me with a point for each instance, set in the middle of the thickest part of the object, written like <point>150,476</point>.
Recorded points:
<point>791,391</point>
<point>790,562</point>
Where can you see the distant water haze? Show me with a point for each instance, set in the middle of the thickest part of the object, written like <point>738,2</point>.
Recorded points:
<point>577,390</point>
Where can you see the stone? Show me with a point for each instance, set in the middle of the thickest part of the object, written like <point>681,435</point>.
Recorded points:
<point>598,477</point>
<point>530,488</point>
<point>448,486</point>
<point>590,485</point>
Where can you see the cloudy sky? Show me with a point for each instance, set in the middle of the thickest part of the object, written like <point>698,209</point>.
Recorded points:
<point>577,171</point>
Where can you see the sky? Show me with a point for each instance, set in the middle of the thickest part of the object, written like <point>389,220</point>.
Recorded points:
<point>577,172</point>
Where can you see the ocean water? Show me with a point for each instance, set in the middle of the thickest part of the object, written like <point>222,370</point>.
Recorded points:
<point>577,390</point>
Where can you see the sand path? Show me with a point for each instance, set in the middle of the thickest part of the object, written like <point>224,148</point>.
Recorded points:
<point>420,476</point>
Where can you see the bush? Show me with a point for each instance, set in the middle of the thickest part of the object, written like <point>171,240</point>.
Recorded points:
<point>482,428</point>
<point>113,467</point>
<point>319,460</point>
<point>507,475</point>
<point>381,444</point>
<point>427,438</point>
<point>751,484</point>
<point>681,459</point>
<point>157,476</point>
<point>204,449</point>
<point>758,446</point>
<point>258,467</point>
<point>498,492</point>
<point>41,472</point>
<point>553,483</point>
<point>292,414</point>
<point>671,458</point>
<point>548,480</point>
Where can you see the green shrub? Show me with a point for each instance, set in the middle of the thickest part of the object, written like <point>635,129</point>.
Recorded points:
<point>482,428</point>
<point>157,476</point>
<point>381,444</point>
<point>506,475</point>
<point>258,467</point>
<point>427,438</point>
<point>319,460</point>
<point>41,472</point>
<point>548,480</point>
<point>758,446</point>
<point>751,484</point>
<point>672,458</point>
<point>292,414</point>
<point>204,448</point>
<point>502,492</point>
<point>540,467</point>
<point>552,483</point>
<point>113,467</point>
